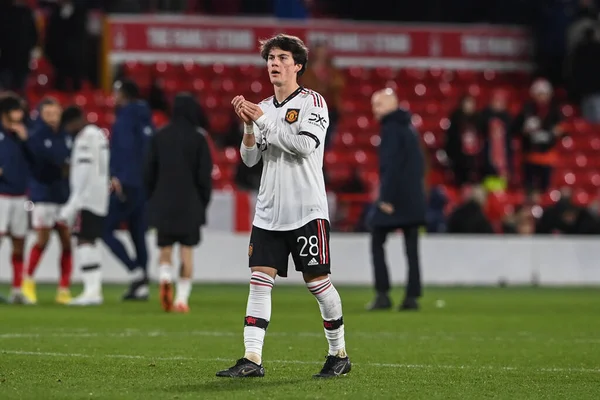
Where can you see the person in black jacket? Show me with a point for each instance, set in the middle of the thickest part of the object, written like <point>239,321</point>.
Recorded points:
<point>462,142</point>
<point>401,203</point>
<point>538,127</point>
<point>178,181</point>
<point>494,128</point>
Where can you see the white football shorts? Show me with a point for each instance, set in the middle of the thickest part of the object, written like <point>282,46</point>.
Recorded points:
<point>13,216</point>
<point>45,215</point>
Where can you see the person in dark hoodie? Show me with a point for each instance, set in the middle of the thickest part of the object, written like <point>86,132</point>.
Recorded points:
<point>178,181</point>
<point>494,127</point>
<point>18,37</point>
<point>585,80</point>
<point>469,217</point>
<point>130,136</point>
<point>462,142</point>
<point>14,174</point>
<point>49,190</point>
<point>402,199</point>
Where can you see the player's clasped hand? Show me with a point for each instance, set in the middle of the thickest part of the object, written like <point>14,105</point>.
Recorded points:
<point>246,110</point>
<point>251,110</point>
<point>237,107</point>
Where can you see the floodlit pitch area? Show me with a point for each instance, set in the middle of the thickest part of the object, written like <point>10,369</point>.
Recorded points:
<point>511,343</point>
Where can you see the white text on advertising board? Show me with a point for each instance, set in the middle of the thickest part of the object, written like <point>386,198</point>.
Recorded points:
<point>493,46</point>
<point>359,43</point>
<point>193,38</point>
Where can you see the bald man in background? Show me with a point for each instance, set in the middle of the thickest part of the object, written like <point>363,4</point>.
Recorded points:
<point>402,201</point>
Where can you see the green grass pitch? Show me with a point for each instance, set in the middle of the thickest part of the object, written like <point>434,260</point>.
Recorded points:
<point>501,343</point>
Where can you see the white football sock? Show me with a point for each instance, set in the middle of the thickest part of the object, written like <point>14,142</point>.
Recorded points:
<point>165,273</point>
<point>90,258</point>
<point>258,314</point>
<point>330,305</point>
<point>184,288</point>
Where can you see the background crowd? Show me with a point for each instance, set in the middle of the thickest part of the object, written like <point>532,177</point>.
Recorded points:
<point>507,153</point>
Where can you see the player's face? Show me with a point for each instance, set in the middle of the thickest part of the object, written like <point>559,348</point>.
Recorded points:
<point>75,126</point>
<point>379,106</point>
<point>15,116</point>
<point>118,97</point>
<point>542,96</point>
<point>50,114</point>
<point>281,66</point>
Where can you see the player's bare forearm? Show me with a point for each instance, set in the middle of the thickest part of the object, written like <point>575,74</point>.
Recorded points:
<point>249,140</point>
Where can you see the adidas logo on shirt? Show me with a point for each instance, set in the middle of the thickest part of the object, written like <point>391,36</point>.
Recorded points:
<point>313,262</point>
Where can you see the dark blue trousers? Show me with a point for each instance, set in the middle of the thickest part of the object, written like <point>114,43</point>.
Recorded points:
<point>129,208</point>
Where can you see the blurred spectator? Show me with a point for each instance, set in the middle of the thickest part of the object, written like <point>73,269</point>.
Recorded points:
<point>567,218</point>
<point>226,7</point>
<point>552,20</point>
<point>495,132</point>
<point>469,217</point>
<point>246,178</point>
<point>462,142</point>
<point>435,215</point>
<point>538,127</point>
<point>324,78</point>
<point>585,74</point>
<point>292,9</point>
<point>519,222</point>
<point>18,38</point>
<point>354,184</point>
<point>587,16</point>
<point>65,43</point>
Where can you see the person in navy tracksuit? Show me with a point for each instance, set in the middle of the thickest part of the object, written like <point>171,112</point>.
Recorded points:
<point>402,202</point>
<point>49,190</point>
<point>130,136</point>
<point>14,175</point>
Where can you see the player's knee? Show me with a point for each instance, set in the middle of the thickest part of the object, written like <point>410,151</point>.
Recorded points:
<point>309,278</point>
<point>43,236</point>
<point>166,253</point>
<point>18,246</point>
<point>272,272</point>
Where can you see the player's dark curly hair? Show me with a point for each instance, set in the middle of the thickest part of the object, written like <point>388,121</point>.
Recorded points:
<point>290,43</point>
<point>10,101</point>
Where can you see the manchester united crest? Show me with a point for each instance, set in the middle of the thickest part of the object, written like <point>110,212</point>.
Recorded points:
<point>250,248</point>
<point>291,115</point>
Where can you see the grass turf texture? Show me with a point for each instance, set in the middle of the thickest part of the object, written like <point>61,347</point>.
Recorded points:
<point>511,343</point>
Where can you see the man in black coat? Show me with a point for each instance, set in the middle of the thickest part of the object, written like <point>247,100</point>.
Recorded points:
<point>178,180</point>
<point>401,203</point>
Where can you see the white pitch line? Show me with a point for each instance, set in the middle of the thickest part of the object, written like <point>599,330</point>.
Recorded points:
<point>376,365</point>
<point>396,336</point>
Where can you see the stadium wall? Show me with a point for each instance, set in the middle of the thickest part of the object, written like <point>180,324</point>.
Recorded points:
<point>446,260</point>
<point>234,41</point>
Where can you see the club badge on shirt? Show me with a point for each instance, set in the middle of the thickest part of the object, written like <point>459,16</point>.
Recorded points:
<point>291,115</point>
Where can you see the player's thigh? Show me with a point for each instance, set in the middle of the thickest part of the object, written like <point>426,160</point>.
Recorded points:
<point>88,226</point>
<point>44,215</point>
<point>5,214</point>
<point>310,247</point>
<point>191,239</point>
<point>165,239</point>
<point>19,220</point>
<point>268,249</point>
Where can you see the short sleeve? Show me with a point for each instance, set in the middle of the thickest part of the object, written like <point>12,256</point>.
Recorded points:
<point>315,119</point>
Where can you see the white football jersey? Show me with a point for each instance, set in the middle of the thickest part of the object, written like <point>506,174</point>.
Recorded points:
<point>290,139</point>
<point>90,175</point>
